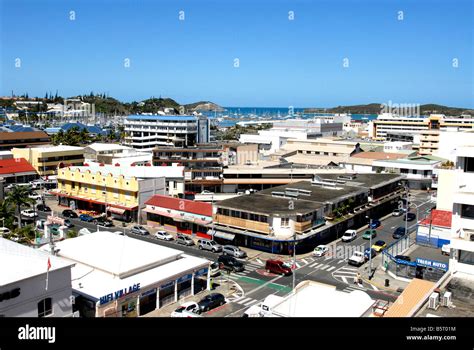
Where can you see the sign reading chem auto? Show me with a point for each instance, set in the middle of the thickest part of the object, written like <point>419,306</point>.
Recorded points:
<point>431,263</point>
<point>119,294</point>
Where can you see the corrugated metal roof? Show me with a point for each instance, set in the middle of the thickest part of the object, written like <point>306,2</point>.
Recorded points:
<point>180,204</point>
<point>414,294</point>
<point>15,166</point>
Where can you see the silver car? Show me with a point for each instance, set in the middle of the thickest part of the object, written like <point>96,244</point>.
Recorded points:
<point>206,244</point>
<point>234,251</point>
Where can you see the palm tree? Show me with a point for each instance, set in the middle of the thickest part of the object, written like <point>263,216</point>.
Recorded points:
<point>18,196</point>
<point>7,214</point>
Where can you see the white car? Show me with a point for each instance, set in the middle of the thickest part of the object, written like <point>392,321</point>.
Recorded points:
<point>446,249</point>
<point>35,196</point>
<point>349,235</point>
<point>29,213</point>
<point>357,259</point>
<point>185,309</point>
<point>163,235</point>
<point>320,250</point>
<point>207,192</point>
<point>4,231</point>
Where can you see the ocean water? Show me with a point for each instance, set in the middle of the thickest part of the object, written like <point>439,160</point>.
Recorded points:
<point>236,114</point>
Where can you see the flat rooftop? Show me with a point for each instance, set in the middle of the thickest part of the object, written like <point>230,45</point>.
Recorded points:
<point>315,299</point>
<point>19,262</point>
<point>116,255</point>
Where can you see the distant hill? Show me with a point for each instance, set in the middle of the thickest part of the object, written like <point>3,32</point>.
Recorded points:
<point>375,108</point>
<point>203,106</point>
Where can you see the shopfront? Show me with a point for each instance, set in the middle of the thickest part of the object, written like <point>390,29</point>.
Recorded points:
<point>167,295</point>
<point>148,301</point>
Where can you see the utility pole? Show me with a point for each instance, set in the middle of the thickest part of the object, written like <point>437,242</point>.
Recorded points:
<point>370,247</point>
<point>294,255</point>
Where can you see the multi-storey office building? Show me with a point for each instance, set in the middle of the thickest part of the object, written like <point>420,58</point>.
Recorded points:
<point>47,160</point>
<point>388,123</point>
<point>20,139</point>
<point>144,132</point>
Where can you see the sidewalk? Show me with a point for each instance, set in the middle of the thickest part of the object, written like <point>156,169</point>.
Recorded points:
<point>223,288</point>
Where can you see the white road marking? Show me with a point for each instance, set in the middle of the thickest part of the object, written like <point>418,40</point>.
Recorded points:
<point>374,287</point>
<point>304,260</point>
<point>340,261</point>
<point>253,301</point>
<point>310,260</point>
<point>260,261</point>
<point>324,267</point>
<point>243,301</point>
<point>315,264</point>
<point>331,268</point>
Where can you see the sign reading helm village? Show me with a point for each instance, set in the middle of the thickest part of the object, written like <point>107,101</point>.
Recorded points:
<point>119,294</point>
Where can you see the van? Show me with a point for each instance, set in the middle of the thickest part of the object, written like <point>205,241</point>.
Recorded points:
<point>213,246</point>
<point>278,267</point>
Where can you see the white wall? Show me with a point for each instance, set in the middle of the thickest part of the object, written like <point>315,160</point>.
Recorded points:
<point>33,290</point>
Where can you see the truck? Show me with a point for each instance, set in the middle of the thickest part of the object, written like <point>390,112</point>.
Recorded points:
<point>263,309</point>
<point>357,259</point>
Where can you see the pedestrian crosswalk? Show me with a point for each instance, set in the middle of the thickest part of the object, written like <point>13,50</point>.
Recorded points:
<point>345,274</point>
<point>350,289</point>
<point>246,301</point>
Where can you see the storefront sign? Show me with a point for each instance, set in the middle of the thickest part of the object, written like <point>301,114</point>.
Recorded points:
<point>201,272</point>
<point>119,294</point>
<point>431,263</point>
<point>167,285</point>
<point>184,278</point>
<point>151,291</point>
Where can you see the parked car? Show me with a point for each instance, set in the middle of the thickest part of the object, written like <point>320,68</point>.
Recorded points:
<point>379,246</point>
<point>369,253</point>
<point>211,301</point>
<point>349,235</point>
<point>68,213</point>
<point>234,251</point>
<point>398,212</point>
<point>368,233</point>
<point>375,223</point>
<point>4,231</point>
<point>101,221</point>
<point>320,250</point>
<point>402,257</point>
<point>184,309</point>
<point>215,270</point>
<point>230,263</point>
<point>35,196</point>
<point>409,217</point>
<point>278,267</point>
<point>206,244</point>
<point>163,235</point>
<point>184,239</point>
<point>446,249</point>
<point>140,230</point>
<point>42,207</point>
<point>357,258</point>
<point>399,233</point>
<point>86,218</point>
<point>207,192</point>
<point>29,213</point>
<point>68,223</point>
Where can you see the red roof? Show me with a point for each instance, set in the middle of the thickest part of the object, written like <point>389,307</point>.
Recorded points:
<point>440,218</point>
<point>15,166</point>
<point>180,204</point>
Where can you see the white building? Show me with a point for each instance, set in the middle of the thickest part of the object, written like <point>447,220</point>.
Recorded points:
<point>300,129</point>
<point>456,187</point>
<point>314,299</point>
<point>144,132</point>
<point>27,289</point>
<point>120,276</point>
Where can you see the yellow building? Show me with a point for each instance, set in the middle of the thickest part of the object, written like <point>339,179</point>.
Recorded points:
<point>46,160</point>
<point>105,189</point>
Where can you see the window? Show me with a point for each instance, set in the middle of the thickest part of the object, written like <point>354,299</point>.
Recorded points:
<point>467,211</point>
<point>466,257</point>
<point>45,307</point>
<point>468,165</point>
<point>285,222</point>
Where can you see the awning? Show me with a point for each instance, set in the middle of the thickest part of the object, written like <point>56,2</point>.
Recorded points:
<point>116,210</point>
<point>224,235</point>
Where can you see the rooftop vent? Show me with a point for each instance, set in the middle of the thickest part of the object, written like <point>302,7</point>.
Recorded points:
<point>347,177</point>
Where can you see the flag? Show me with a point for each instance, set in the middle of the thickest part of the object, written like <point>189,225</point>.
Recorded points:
<point>49,264</point>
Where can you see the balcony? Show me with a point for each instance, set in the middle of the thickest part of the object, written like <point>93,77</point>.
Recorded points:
<point>307,225</point>
<point>242,223</point>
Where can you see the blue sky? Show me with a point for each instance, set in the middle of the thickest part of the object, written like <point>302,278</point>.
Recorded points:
<point>282,62</point>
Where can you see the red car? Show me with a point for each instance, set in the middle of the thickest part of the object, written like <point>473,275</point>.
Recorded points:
<point>278,267</point>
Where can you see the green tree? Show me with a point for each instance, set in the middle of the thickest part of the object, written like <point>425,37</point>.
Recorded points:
<point>18,196</point>
<point>26,233</point>
<point>71,234</point>
<point>7,212</point>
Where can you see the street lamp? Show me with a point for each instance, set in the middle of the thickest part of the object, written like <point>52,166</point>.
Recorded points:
<point>370,246</point>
